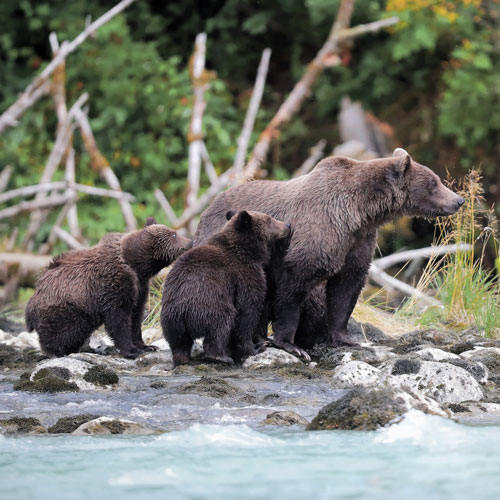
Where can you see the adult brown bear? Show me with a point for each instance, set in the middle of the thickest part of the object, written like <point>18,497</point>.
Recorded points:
<point>108,284</point>
<point>335,212</point>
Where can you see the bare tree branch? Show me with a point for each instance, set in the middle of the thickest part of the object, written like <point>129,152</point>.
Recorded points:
<point>209,166</point>
<point>5,177</point>
<point>101,165</point>
<point>27,191</point>
<point>72,243</point>
<point>301,90</point>
<point>396,258</point>
<point>362,29</point>
<point>385,280</point>
<point>34,90</point>
<point>29,206</point>
<point>69,176</point>
<point>253,107</point>
<point>315,154</point>
<point>165,205</point>
<point>107,193</point>
<point>195,134</point>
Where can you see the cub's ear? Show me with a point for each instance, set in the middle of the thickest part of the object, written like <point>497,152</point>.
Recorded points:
<point>244,220</point>
<point>229,215</point>
<point>402,161</point>
<point>150,221</point>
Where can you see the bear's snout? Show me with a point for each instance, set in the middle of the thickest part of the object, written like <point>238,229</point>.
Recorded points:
<point>184,243</point>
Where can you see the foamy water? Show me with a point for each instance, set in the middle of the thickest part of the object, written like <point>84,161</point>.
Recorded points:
<point>420,457</point>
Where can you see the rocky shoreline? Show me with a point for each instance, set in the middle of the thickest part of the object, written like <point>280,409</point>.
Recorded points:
<point>454,375</point>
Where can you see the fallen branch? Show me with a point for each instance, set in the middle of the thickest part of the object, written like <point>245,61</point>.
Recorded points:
<point>315,155</point>
<point>30,206</point>
<point>396,258</point>
<point>195,134</point>
<point>72,243</point>
<point>101,165</point>
<point>253,107</point>
<point>31,190</point>
<point>39,85</point>
<point>70,176</point>
<point>27,264</point>
<point>385,280</point>
<point>5,178</point>
<point>300,91</point>
<point>166,207</point>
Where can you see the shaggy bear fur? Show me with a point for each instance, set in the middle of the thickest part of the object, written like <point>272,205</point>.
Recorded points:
<point>335,212</point>
<point>108,284</point>
<point>217,290</point>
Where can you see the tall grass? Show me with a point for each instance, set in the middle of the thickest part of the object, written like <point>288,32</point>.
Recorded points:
<point>469,293</point>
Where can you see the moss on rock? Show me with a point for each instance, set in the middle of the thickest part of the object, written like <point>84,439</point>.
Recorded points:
<point>210,386</point>
<point>66,425</point>
<point>21,425</point>
<point>406,367</point>
<point>13,358</point>
<point>361,409</point>
<point>100,375</point>
<point>55,379</point>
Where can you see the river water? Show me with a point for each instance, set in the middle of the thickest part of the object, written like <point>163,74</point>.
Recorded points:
<point>420,457</point>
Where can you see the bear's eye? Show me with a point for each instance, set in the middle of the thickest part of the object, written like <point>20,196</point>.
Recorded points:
<point>175,235</point>
<point>434,184</point>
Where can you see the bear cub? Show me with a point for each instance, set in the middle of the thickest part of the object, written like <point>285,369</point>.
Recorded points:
<point>108,283</point>
<point>217,290</point>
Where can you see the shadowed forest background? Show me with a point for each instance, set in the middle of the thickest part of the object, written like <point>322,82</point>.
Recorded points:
<point>430,84</point>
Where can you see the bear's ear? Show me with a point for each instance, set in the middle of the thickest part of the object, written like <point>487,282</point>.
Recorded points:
<point>402,162</point>
<point>244,220</point>
<point>229,215</point>
<point>150,221</point>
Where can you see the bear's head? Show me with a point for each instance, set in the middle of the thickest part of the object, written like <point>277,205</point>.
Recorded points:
<point>150,249</point>
<point>263,226</point>
<point>420,189</point>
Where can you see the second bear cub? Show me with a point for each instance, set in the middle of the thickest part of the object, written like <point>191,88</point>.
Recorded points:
<point>217,290</point>
<point>107,284</point>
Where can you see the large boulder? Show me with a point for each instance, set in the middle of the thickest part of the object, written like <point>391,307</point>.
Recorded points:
<point>108,426</point>
<point>360,409</point>
<point>443,382</point>
<point>270,357</point>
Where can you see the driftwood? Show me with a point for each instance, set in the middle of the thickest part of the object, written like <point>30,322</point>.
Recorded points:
<point>253,107</point>
<point>40,84</point>
<point>101,165</point>
<point>30,206</point>
<point>5,178</point>
<point>195,134</point>
<point>315,155</point>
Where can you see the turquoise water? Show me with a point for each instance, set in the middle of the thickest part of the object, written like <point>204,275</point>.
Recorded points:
<point>420,457</point>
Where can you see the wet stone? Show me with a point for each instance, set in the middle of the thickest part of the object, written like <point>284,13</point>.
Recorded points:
<point>406,366</point>
<point>54,379</point>
<point>67,425</point>
<point>458,408</point>
<point>21,425</point>
<point>461,347</point>
<point>100,375</point>
<point>285,418</point>
<point>210,386</point>
<point>360,409</point>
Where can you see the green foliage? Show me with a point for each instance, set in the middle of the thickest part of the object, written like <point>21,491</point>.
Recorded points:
<point>470,294</point>
<point>434,78</point>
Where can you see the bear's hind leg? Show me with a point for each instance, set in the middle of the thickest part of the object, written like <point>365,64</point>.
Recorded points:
<point>217,338</point>
<point>117,322</point>
<point>63,330</point>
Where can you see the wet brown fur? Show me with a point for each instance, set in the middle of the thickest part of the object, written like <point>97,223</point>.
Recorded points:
<point>109,283</point>
<point>217,290</point>
<point>335,212</point>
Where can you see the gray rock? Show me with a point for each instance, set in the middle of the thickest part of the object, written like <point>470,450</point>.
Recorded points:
<point>489,356</point>
<point>357,373</point>
<point>285,418</point>
<point>477,369</point>
<point>434,354</point>
<point>270,357</point>
<point>360,408</point>
<point>443,382</point>
<point>107,426</point>
<point>21,425</point>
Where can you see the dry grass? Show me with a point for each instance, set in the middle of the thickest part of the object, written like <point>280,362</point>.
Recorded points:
<point>470,294</point>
